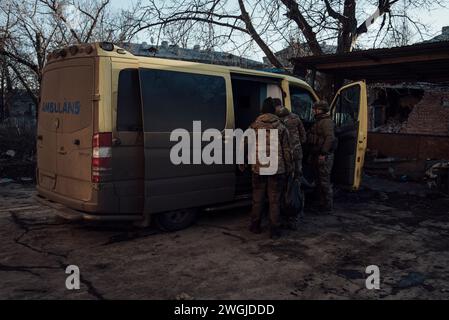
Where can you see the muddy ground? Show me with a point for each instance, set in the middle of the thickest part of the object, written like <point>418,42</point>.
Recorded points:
<point>399,227</point>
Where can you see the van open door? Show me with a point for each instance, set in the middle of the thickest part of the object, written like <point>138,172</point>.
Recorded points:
<point>350,115</point>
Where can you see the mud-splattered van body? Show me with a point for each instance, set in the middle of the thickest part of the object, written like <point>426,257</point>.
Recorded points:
<point>104,125</point>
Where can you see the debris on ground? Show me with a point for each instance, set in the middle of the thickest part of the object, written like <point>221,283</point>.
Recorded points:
<point>438,176</point>
<point>184,296</point>
<point>393,125</point>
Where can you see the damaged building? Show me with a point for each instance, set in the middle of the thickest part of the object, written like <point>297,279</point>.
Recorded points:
<point>408,105</point>
<point>408,129</point>
<point>409,109</point>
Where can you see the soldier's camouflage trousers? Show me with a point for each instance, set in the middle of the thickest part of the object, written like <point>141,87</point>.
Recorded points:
<point>322,173</point>
<point>263,186</point>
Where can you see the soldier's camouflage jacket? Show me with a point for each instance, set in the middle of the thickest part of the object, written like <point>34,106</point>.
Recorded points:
<point>297,133</point>
<point>270,121</point>
<point>321,137</point>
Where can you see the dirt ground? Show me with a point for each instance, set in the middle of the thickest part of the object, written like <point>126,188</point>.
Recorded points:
<point>399,227</point>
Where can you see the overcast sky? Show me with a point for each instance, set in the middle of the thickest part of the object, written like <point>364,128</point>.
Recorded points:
<point>435,19</point>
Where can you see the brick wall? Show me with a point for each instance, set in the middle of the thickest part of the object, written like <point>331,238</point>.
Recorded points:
<point>430,115</point>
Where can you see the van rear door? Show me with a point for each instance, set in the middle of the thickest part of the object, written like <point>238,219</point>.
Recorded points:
<point>349,111</point>
<point>66,127</point>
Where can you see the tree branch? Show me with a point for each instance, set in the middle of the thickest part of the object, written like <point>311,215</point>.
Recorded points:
<point>294,14</point>
<point>56,8</point>
<point>253,33</point>
<point>20,60</point>
<point>334,14</point>
<point>32,94</point>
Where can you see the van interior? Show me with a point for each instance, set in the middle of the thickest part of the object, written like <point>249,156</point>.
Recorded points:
<point>248,97</point>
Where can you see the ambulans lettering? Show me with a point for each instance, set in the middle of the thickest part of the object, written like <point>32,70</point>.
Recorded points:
<point>68,107</point>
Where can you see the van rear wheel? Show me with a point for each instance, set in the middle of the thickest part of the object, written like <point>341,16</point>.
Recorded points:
<point>176,220</point>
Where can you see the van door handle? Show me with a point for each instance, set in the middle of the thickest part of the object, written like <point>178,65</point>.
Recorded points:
<point>40,137</point>
<point>77,142</point>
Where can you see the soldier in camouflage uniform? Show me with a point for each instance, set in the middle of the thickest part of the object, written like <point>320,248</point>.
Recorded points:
<point>272,185</point>
<point>297,135</point>
<point>322,141</point>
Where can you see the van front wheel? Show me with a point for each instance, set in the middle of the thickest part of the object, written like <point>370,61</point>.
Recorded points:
<point>176,220</point>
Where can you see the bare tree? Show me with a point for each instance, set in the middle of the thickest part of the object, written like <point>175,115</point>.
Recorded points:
<point>30,29</point>
<point>265,23</point>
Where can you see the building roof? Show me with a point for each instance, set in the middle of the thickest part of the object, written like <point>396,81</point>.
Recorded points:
<point>425,62</point>
<point>444,36</point>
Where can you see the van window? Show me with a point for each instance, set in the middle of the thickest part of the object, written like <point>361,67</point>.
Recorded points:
<point>174,100</point>
<point>346,112</point>
<point>129,110</point>
<point>302,103</point>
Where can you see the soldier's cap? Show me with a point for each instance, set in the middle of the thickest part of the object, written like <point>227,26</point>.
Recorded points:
<point>322,105</point>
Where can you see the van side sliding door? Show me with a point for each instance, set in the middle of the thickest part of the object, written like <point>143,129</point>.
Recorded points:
<point>173,99</point>
<point>127,136</point>
<point>349,112</point>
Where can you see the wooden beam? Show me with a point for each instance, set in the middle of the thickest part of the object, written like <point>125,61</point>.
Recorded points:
<point>443,57</point>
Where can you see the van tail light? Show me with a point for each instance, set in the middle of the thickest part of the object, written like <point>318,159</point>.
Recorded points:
<point>101,156</point>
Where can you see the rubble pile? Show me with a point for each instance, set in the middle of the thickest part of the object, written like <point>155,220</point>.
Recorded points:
<point>392,125</point>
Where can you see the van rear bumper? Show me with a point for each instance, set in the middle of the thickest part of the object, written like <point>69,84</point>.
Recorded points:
<point>76,215</point>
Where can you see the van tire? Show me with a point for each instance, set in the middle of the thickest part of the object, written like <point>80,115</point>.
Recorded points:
<point>176,220</point>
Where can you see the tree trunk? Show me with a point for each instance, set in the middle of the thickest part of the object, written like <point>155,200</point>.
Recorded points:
<point>2,92</point>
<point>326,89</point>
<point>349,27</point>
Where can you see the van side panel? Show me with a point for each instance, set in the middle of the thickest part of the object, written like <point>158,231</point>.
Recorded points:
<point>169,186</point>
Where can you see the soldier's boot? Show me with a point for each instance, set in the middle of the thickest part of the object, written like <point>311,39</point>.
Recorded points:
<point>255,227</point>
<point>275,233</point>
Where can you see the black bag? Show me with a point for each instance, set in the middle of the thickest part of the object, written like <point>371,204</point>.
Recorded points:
<point>293,200</point>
